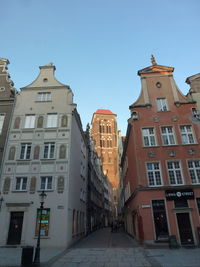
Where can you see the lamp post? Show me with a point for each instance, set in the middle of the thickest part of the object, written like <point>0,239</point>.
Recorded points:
<point>37,250</point>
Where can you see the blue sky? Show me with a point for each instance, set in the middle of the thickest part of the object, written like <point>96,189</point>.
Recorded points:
<point>98,46</point>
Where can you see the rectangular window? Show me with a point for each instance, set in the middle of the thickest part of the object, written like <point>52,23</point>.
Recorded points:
<point>198,204</point>
<point>46,183</point>
<point>154,173</point>
<point>2,117</point>
<point>194,170</point>
<point>167,136</point>
<point>175,173</point>
<point>44,96</point>
<point>49,149</point>
<point>21,183</point>
<point>44,218</point>
<point>29,121</point>
<point>25,151</point>
<point>149,136</point>
<point>52,120</point>
<point>186,134</point>
<point>162,104</point>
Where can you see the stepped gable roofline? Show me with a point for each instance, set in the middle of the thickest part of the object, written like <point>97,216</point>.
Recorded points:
<point>104,112</point>
<point>192,78</point>
<point>46,78</point>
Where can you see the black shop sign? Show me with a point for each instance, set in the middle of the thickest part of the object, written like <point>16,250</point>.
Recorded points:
<point>179,194</point>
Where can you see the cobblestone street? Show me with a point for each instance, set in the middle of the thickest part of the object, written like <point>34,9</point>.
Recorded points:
<point>105,249</point>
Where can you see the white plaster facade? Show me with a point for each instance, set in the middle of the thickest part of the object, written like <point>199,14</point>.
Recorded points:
<point>46,150</point>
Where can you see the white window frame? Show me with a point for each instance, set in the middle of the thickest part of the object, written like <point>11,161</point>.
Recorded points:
<point>187,134</point>
<point>25,154</point>
<point>29,121</point>
<point>194,171</point>
<point>49,150</point>
<point>44,96</point>
<point>162,104</point>
<point>175,171</point>
<point>153,180</point>
<point>52,120</point>
<point>48,183</point>
<point>168,135</point>
<point>2,118</point>
<point>149,136</point>
<point>22,181</point>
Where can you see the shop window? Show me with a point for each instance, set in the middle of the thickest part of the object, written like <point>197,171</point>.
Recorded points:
<point>160,220</point>
<point>43,217</point>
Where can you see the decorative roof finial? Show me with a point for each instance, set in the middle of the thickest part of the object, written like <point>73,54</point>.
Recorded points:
<point>153,61</point>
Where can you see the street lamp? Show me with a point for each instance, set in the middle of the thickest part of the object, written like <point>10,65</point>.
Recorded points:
<point>37,250</point>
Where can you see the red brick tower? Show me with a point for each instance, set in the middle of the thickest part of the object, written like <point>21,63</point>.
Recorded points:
<point>104,132</point>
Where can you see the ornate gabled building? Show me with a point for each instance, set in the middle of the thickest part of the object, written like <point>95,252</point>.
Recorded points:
<point>7,99</point>
<point>46,151</point>
<point>161,162</point>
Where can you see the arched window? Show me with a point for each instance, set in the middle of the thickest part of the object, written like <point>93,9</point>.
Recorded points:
<point>33,185</point>
<point>62,152</point>
<point>40,122</point>
<point>11,155</point>
<point>17,123</point>
<point>64,121</point>
<point>36,152</point>
<point>6,186</point>
<point>60,184</point>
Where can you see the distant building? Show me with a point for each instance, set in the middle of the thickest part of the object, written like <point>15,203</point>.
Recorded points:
<point>98,194</point>
<point>46,150</point>
<point>104,133</point>
<point>7,98</point>
<point>194,92</point>
<point>161,162</point>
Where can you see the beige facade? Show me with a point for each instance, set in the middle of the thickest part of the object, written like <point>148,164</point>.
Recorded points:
<point>46,151</point>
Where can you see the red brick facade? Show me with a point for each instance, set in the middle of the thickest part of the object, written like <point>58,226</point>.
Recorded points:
<point>104,132</point>
<point>161,162</point>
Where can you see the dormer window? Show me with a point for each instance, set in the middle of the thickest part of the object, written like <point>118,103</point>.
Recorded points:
<point>162,104</point>
<point>44,96</point>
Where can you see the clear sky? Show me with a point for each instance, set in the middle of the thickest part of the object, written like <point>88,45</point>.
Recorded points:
<point>98,46</point>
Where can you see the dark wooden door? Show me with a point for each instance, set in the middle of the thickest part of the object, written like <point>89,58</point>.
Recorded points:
<point>185,229</point>
<point>15,228</point>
